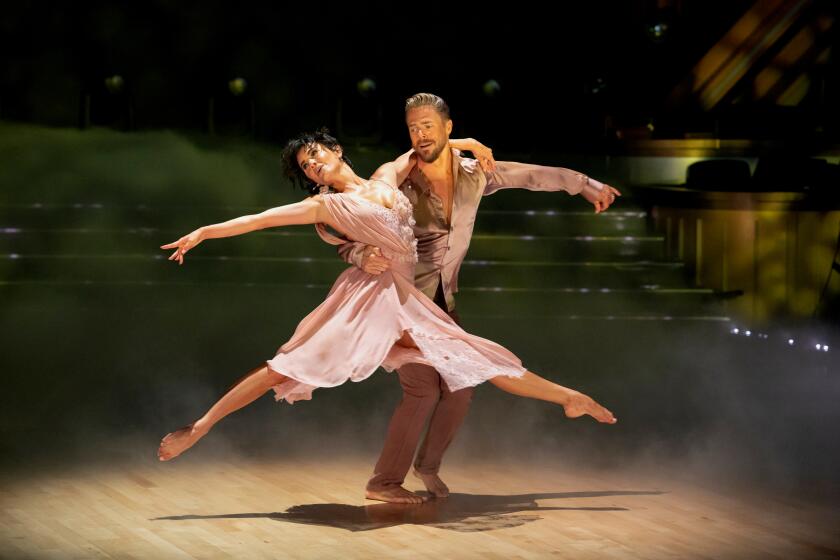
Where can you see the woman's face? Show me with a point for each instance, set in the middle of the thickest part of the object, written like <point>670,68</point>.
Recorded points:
<point>319,163</point>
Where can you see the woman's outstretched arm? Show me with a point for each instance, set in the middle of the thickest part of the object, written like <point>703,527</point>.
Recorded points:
<point>307,211</point>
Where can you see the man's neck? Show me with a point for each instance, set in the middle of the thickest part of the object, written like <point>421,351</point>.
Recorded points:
<point>441,167</point>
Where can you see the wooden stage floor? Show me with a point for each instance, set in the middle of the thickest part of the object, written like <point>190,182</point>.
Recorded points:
<point>315,509</point>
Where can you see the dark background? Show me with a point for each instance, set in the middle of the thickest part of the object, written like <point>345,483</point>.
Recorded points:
<point>106,347</point>
<point>569,76</point>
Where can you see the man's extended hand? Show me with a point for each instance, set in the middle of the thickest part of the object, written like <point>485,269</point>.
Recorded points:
<point>601,199</point>
<point>373,262</point>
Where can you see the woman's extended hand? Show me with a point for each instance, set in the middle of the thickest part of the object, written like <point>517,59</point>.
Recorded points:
<point>183,245</point>
<point>484,155</point>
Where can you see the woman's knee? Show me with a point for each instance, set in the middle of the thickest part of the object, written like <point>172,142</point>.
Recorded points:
<point>269,377</point>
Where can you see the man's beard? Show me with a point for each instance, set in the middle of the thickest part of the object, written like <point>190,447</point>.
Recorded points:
<point>433,155</point>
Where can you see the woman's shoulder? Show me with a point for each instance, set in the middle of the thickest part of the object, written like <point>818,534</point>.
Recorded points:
<point>384,183</point>
<point>321,210</point>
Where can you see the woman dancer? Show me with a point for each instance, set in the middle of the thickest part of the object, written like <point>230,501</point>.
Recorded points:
<point>366,320</point>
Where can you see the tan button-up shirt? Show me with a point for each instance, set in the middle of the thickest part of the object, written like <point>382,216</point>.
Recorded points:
<point>442,245</point>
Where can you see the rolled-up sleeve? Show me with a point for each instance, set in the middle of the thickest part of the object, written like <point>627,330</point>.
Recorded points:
<point>352,252</point>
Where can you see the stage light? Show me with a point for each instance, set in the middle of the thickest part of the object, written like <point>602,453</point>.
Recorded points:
<point>748,333</point>
<point>237,86</point>
<point>596,86</point>
<point>114,84</point>
<point>657,31</point>
<point>825,347</point>
<point>736,330</point>
<point>790,342</point>
<point>491,88</point>
<point>819,346</point>
<point>366,87</point>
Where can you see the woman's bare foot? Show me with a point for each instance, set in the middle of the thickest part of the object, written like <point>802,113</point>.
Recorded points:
<point>397,495</point>
<point>580,404</point>
<point>434,484</point>
<point>177,442</point>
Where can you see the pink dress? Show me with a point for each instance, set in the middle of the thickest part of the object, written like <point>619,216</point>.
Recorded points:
<point>355,329</point>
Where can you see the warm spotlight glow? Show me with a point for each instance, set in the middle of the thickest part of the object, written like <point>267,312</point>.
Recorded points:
<point>115,83</point>
<point>237,86</point>
<point>491,88</point>
<point>366,87</point>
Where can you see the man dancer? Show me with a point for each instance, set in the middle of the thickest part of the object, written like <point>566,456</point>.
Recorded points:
<point>445,190</point>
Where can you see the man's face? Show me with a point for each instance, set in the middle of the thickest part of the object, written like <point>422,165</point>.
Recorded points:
<point>429,132</point>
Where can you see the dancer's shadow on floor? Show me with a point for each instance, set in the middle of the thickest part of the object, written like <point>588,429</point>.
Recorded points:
<point>458,512</point>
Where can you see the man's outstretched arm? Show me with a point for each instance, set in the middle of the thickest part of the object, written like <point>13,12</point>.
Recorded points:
<point>513,175</point>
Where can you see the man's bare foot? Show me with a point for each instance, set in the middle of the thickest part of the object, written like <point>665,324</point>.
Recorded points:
<point>177,442</point>
<point>434,484</point>
<point>580,404</point>
<point>396,495</point>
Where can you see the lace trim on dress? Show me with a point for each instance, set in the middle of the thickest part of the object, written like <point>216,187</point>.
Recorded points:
<point>458,363</point>
<point>399,219</point>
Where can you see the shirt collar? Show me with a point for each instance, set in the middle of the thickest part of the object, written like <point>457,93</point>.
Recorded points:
<point>458,163</point>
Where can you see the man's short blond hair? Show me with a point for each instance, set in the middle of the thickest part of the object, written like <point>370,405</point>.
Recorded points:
<point>428,100</point>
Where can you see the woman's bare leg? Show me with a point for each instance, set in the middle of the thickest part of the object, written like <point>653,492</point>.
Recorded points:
<point>245,391</point>
<point>574,403</point>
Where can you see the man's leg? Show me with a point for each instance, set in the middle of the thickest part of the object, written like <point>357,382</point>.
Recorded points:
<point>421,392</point>
<point>446,420</point>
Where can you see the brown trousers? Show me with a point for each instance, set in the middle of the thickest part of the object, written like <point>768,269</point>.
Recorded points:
<point>424,393</point>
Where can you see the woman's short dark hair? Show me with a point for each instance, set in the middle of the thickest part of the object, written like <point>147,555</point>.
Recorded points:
<point>292,170</point>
